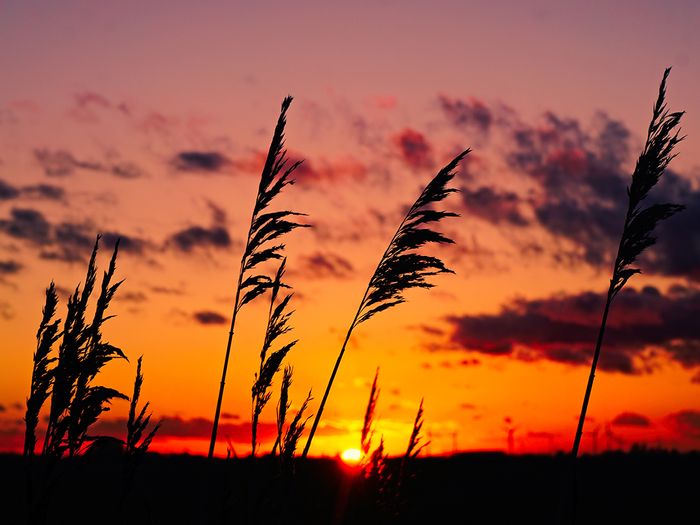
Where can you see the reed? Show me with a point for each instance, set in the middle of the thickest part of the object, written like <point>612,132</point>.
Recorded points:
<point>401,267</point>
<point>136,444</point>
<point>76,403</point>
<point>640,221</point>
<point>265,227</point>
<point>288,440</point>
<point>367,424</point>
<point>277,325</point>
<point>42,374</point>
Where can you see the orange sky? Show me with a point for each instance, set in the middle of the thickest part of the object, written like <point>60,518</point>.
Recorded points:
<point>152,127</point>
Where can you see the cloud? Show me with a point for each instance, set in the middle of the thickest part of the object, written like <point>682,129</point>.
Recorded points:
<point>132,297</point>
<point>62,163</point>
<point>200,161</point>
<point>493,205</point>
<point>208,317</point>
<point>581,176</point>
<point>127,243</point>
<point>677,250</point>
<point>126,170</point>
<point>9,267</point>
<point>167,290</point>
<point>71,242</point>
<point>686,423</point>
<point>194,237</point>
<point>88,106</point>
<point>413,148</point>
<point>467,113</point>
<point>194,428</point>
<point>44,191</point>
<point>631,419</point>
<point>27,224</point>
<point>323,265</point>
<point>324,170</point>
<point>643,326</point>
<point>7,191</point>
<point>65,241</point>
<point>33,191</point>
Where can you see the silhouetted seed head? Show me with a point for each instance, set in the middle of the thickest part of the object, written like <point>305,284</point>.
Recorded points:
<point>401,268</point>
<point>637,236</point>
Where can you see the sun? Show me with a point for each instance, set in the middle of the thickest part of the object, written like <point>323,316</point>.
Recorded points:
<point>351,456</point>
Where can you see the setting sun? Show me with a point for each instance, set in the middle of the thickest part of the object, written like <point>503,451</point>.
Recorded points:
<point>351,456</point>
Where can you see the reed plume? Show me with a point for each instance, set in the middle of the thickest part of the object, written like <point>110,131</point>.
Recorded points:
<point>401,267</point>
<point>367,424</point>
<point>265,227</point>
<point>136,444</point>
<point>277,325</point>
<point>289,439</point>
<point>42,375</point>
<point>76,403</point>
<point>414,443</point>
<point>637,233</point>
<point>414,448</point>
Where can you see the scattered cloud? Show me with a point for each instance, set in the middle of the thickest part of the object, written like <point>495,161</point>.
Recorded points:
<point>193,237</point>
<point>686,423</point>
<point>27,224</point>
<point>9,267</point>
<point>65,241</point>
<point>208,317</point>
<point>413,148</point>
<point>631,419</point>
<point>62,163</point>
<point>644,326</point>
<point>205,162</point>
<point>467,113</point>
<point>494,206</point>
<point>7,191</point>
<point>323,265</point>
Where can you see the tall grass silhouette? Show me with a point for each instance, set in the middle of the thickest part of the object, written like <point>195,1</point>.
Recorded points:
<point>401,267</point>
<point>277,325</point>
<point>288,439</point>
<point>265,227</point>
<point>42,374</point>
<point>137,440</point>
<point>76,403</point>
<point>637,233</point>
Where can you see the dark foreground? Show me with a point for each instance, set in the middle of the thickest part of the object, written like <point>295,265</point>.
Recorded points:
<point>643,487</point>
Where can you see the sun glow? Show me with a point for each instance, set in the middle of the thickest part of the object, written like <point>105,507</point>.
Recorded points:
<point>351,456</point>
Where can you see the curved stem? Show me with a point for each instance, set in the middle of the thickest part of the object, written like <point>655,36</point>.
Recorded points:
<point>215,426</point>
<point>591,376</point>
<point>354,323</point>
<point>330,384</point>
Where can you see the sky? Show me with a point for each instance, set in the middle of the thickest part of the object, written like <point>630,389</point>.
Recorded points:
<point>149,122</point>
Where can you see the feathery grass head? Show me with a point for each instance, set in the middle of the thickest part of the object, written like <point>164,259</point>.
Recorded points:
<point>401,268</point>
<point>288,445</point>
<point>42,375</point>
<point>76,403</point>
<point>414,443</point>
<point>284,403</point>
<point>136,425</point>
<point>662,138</point>
<point>267,227</point>
<point>367,430</point>
<point>277,326</point>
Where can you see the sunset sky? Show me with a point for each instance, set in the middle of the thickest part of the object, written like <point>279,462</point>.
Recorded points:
<point>150,120</point>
